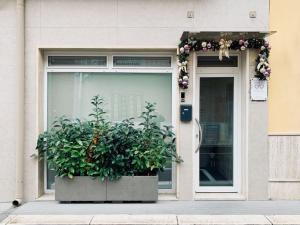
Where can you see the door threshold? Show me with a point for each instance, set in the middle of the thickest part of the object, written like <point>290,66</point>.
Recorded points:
<point>220,196</point>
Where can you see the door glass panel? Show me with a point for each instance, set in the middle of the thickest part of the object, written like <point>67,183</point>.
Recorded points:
<point>216,119</point>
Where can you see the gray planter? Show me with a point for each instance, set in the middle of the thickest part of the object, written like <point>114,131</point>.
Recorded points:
<point>133,188</point>
<point>128,188</point>
<point>79,189</point>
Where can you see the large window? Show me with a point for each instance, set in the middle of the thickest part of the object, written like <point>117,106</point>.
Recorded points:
<point>124,94</point>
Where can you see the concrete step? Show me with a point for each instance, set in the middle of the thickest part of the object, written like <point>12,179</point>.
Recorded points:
<point>162,219</point>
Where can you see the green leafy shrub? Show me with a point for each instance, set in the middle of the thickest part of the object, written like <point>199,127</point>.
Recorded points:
<point>99,148</point>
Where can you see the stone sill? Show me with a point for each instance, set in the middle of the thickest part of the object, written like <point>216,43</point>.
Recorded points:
<point>50,196</point>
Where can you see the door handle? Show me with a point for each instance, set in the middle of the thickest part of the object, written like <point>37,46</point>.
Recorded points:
<point>199,135</point>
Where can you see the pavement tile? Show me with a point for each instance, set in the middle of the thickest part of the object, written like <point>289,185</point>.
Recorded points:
<point>222,219</point>
<point>134,219</point>
<point>162,219</point>
<point>7,220</point>
<point>51,219</point>
<point>285,219</point>
<point>4,206</point>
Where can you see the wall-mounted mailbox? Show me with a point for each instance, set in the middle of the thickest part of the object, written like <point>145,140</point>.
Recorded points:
<point>185,113</point>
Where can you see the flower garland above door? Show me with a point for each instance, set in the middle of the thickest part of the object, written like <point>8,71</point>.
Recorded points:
<point>262,69</point>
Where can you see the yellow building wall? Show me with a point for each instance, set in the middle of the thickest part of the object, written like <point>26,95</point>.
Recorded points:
<point>284,85</point>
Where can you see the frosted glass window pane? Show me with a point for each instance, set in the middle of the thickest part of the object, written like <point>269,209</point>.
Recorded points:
<point>77,61</point>
<point>124,96</point>
<point>141,61</point>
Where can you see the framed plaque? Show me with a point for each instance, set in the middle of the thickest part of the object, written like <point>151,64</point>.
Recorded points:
<point>258,89</point>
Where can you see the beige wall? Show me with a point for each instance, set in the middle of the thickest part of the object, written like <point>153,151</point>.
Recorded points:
<point>284,92</point>
<point>284,101</point>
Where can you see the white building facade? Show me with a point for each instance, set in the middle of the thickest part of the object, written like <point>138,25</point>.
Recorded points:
<point>126,51</point>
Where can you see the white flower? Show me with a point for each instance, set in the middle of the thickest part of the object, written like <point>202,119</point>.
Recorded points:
<point>262,70</point>
<point>181,50</point>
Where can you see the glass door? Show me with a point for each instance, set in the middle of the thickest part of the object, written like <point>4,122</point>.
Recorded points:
<point>216,152</point>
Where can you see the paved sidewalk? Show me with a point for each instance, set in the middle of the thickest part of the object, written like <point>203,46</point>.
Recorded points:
<point>151,219</point>
<point>5,209</point>
<point>163,207</point>
<point>162,212</point>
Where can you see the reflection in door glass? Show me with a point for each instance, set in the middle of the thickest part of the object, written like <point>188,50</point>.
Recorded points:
<point>216,119</point>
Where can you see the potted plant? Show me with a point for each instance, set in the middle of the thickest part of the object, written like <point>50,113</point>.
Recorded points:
<point>97,160</point>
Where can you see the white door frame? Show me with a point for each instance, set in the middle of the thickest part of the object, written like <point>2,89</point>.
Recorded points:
<point>219,72</point>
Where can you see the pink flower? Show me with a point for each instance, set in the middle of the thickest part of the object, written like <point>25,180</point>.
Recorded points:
<point>186,47</point>
<point>184,83</point>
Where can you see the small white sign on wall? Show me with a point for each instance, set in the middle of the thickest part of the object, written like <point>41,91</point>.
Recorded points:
<point>259,89</point>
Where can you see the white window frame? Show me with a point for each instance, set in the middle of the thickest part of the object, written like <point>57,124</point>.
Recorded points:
<point>110,69</point>
<point>128,67</point>
<point>234,72</point>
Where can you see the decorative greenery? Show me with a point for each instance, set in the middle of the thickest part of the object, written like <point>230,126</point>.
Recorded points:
<point>262,70</point>
<point>108,150</point>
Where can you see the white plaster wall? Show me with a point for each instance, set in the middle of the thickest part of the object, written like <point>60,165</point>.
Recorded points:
<point>258,152</point>
<point>96,24</point>
<point>138,22</point>
<point>7,99</point>
<point>185,138</point>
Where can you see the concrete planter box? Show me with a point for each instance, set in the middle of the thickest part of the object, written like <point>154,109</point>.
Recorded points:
<point>133,188</point>
<point>79,189</point>
<point>128,188</point>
